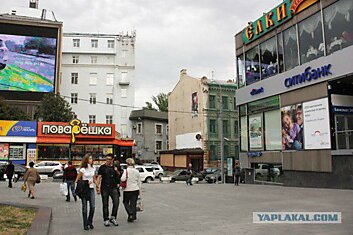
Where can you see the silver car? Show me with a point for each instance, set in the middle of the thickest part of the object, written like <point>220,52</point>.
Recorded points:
<point>3,54</point>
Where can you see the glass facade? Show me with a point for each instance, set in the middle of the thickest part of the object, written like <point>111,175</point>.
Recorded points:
<point>241,71</point>
<point>290,48</point>
<point>252,66</point>
<point>269,60</point>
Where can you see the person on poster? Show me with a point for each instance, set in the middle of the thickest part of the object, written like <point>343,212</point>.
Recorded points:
<point>290,133</point>
<point>299,117</point>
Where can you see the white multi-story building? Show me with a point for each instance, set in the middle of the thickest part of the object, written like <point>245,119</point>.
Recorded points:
<point>98,72</point>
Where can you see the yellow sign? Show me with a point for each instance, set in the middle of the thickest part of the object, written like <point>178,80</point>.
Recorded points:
<point>75,130</point>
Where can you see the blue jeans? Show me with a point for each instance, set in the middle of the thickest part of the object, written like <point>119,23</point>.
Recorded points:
<point>92,205</point>
<point>114,194</point>
<point>70,185</point>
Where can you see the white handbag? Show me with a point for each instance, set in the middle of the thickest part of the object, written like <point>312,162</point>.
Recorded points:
<point>63,189</point>
<point>139,205</point>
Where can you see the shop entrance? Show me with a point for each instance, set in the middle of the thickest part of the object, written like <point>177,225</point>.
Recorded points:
<point>344,131</point>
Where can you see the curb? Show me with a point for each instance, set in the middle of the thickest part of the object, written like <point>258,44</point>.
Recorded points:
<point>41,222</point>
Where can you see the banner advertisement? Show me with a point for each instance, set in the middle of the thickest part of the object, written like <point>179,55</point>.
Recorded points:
<point>229,166</point>
<point>31,155</point>
<point>18,128</point>
<point>4,151</point>
<point>317,124</point>
<point>292,127</point>
<point>255,131</point>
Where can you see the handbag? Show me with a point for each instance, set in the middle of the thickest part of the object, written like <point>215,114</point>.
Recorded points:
<point>38,179</point>
<point>24,187</point>
<point>139,205</point>
<point>63,189</point>
<point>123,184</point>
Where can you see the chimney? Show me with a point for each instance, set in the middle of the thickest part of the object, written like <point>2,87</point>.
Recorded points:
<point>33,4</point>
<point>13,12</point>
<point>183,72</point>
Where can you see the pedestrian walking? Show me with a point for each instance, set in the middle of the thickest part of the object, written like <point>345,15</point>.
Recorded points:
<point>132,190</point>
<point>236,174</point>
<point>87,176</point>
<point>69,177</point>
<point>10,170</point>
<point>31,178</point>
<point>190,173</point>
<point>107,186</point>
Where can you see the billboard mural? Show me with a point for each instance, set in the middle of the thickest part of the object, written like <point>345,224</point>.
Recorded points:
<point>18,128</point>
<point>27,63</point>
<point>292,127</point>
<point>4,151</point>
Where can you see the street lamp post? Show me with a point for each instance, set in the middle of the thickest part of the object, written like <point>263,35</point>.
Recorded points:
<point>220,120</point>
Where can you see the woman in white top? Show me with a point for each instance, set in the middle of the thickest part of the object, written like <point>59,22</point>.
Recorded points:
<point>132,190</point>
<point>88,172</point>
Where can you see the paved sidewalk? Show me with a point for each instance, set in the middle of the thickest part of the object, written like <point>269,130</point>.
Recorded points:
<point>199,209</point>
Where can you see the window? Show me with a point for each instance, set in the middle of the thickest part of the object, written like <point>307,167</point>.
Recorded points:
<point>93,79</point>
<point>224,102</point>
<point>234,103</point>
<point>94,43</point>
<point>123,112</point>
<point>264,104</point>
<point>243,134</point>
<point>159,129</point>
<point>110,43</point>
<point>109,119</point>
<point>241,71</point>
<point>51,152</point>
<point>252,66</point>
<point>213,129</point>
<point>74,78</point>
<point>213,155</point>
<point>269,62</point>
<point>109,98</point>
<point>338,25</point>
<point>75,59</point>
<point>236,128</point>
<point>74,98</point>
<point>311,43</point>
<point>94,59</point>
<point>139,128</point>
<point>76,42</point>
<point>92,118</point>
<point>16,152</point>
<point>158,145</point>
<point>124,76</point>
<point>280,52</point>
<point>110,79</point>
<point>226,151</point>
<point>92,98</point>
<point>167,129</point>
<point>140,169</point>
<point>123,93</point>
<point>290,48</point>
<point>273,137</point>
<point>212,99</point>
<point>225,128</point>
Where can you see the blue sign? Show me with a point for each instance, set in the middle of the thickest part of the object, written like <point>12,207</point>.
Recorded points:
<point>342,110</point>
<point>308,75</point>
<point>254,154</point>
<point>257,91</point>
<point>18,128</point>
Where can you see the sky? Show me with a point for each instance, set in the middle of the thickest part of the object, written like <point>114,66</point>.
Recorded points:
<point>197,35</point>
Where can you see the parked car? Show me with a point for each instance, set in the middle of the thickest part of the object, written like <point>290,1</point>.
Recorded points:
<point>20,170</point>
<point>208,171</point>
<point>262,169</point>
<point>213,177</point>
<point>157,169</point>
<point>146,173</point>
<point>182,175</point>
<point>3,54</point>
<point>48,167</point>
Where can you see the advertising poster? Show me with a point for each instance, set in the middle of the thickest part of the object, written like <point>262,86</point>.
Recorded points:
<point>27,63</point>
<point>317,124</point>
<point>255,131</point>
<point>4,151</point>
<point>292,127</point>
<point>194,104</point>
<point>31,155</point>
<point>229,166</point>
<point>18,128</point>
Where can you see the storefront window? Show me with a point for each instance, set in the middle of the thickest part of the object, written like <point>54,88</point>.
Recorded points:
<point>339,25</point>
<point>273,130</point>
<point>290,48</point>
<point>241,71</point>
<point>269,62</point>
<point>243,134</point>
<point>17,152</point>
<point>311,43</point>
<point>280,52</point>
<point>264,104</point>
<point>53,152</point>
<point>252,66</point>
<point>77,152</point>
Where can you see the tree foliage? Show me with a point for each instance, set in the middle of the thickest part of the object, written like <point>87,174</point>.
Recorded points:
<point>149,106</point>
<point>161,101</point>
<point>11,113</point>
<point>54,108</point>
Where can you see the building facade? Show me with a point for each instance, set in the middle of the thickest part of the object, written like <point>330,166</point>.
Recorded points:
<point>98,73</point>
<point>295,93</point>
<point>195,118</point>
<point>150,132</point>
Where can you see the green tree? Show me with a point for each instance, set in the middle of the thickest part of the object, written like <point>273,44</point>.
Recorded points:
<point>11,113</point>
<point>149,106</point>
<point>161,100</point>
<point>54,108</point>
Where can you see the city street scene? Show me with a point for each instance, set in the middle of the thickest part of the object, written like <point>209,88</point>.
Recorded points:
<point>176,117</point>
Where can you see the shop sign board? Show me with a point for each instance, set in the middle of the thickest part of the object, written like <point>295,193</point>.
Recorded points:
<point>277,16</point>
<point>342,110</point>
<point>18,128</point>
<point>75,129</point>
<point>317,124</point>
